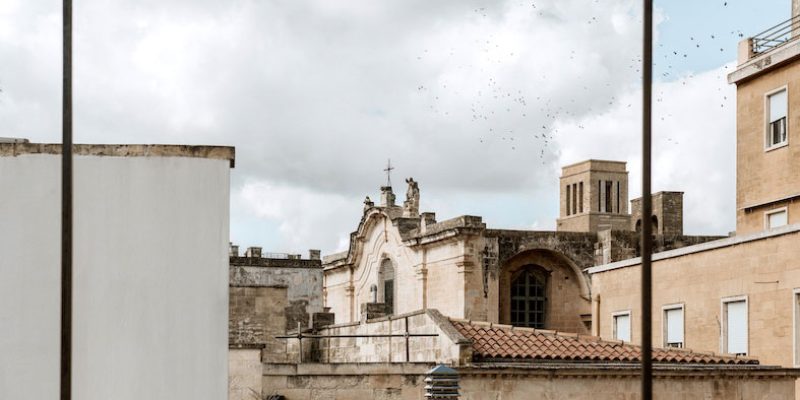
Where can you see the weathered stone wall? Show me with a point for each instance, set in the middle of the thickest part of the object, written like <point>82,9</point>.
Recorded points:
<point>245,373</point>
<point>568,302</point>
<point>407,381</point>
<point>256,316</point>
<point>302,278</point>
<point>667,210</point>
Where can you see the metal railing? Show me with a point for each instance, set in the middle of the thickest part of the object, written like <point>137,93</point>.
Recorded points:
<point>776,36</point>
<point>405,335</point>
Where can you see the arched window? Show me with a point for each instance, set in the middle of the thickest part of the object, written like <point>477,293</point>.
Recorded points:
<point>386,287</point>
<point>528,298</point>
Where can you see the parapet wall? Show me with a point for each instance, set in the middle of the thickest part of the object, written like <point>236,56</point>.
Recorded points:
<point>448,346</point>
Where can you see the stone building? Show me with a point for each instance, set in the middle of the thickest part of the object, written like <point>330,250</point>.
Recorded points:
<point>302,279</point>
<point>739,295</point>
<point>399,259</point>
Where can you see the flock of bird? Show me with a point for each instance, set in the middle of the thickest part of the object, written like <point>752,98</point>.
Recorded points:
<point>506,113</point>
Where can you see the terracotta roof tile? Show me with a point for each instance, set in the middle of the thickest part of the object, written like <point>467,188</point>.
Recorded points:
<point>494,341</point>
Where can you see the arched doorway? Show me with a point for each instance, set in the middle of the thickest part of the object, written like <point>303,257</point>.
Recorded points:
<point>529,297</point>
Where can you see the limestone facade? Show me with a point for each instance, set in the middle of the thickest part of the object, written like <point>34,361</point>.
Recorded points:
<point>401,263</point>
<point>767,178</point>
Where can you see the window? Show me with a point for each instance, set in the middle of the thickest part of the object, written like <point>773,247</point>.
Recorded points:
<point>599,196</point>
<point>622,326</point>
<point>569,188</point>
<point>580,196</point>
<point>574,198</point>
<point>796,301</point>
<point>734,326</point>
<point>609,187</point>
<point>386,288</point>
<point>673,326</point>
<point>618,211</point>
<point>777,218</point>
<point>528,298</point>
<point>776,112</point>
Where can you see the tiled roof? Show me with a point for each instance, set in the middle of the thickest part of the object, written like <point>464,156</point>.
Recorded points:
<point>503,342</point>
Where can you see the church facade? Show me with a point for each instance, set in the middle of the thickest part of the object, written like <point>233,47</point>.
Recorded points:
<point>400,260</point>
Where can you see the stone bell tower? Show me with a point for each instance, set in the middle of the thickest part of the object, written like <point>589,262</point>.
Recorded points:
<point>593,197</point>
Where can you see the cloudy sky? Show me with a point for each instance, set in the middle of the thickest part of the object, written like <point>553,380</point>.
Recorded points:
<point>479,101</point>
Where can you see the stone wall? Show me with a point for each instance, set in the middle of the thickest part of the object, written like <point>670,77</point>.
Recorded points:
<point>256,316</point>
<point>448,346</point>
<point>244,373</point>
<point>667,213</point>
<point>407,381</point>
<point>302,278</point>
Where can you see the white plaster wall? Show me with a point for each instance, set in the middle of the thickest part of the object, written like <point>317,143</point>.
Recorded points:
<point>151,274</point>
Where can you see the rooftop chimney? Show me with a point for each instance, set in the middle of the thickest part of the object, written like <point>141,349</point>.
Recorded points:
<point>387,196</point>
<point>314,254</point>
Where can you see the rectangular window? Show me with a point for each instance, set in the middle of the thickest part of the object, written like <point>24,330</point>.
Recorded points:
<point>574,198</point>
<point>569,188</point>
<point>734,326</point>
<point>618,211</point>
<point>796,298</point>
<point>622,326</point>
<point>777,218</point>
<point>776,111</point>
<point>599,196</point>
<point>580,196</point>
<point>673,326</point>
<point>609,187</point>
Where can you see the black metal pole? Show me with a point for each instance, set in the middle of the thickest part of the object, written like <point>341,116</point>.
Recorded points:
<point>66,207</point>
<point>647,227</point>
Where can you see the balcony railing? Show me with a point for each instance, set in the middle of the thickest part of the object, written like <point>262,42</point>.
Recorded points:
<point>776,36</point>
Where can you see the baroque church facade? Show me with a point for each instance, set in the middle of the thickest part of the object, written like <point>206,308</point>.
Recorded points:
<point>401,260</point>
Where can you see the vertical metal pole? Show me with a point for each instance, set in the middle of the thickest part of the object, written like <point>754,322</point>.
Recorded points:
<point>408,354</point>
<point>66,207</point>
<point>647,227</point>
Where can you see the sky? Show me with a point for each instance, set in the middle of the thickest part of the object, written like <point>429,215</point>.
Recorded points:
<point>481,102</point>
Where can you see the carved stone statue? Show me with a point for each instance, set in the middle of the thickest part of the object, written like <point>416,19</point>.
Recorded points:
<point>411,205</point>
<point>368,203</point>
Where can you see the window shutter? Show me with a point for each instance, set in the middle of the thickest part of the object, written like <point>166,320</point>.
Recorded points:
<point>675,325</point>
<point>623,325</point>
<point>777,219</point>
<point>736,327</point>
<point>777,106</point>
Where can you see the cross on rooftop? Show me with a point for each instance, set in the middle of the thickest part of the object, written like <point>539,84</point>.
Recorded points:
<point>388,170</point>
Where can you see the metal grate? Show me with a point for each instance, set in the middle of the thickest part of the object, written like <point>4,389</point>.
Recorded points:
<point>776,36</point>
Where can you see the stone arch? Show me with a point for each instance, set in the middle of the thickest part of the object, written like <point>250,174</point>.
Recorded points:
<point>568,302</point>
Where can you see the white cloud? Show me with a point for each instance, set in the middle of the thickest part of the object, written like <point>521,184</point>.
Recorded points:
<point>305,218</point>
<point>473,99</point>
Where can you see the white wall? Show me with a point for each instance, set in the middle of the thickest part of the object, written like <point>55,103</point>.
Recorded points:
<point>151,277</point>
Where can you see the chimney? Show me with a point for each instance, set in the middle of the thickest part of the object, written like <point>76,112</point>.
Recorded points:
<point>425,219</point>
<point>314,254</point>
<point>233,250</point>
<point>387,196</point>
<point>253,252</point>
